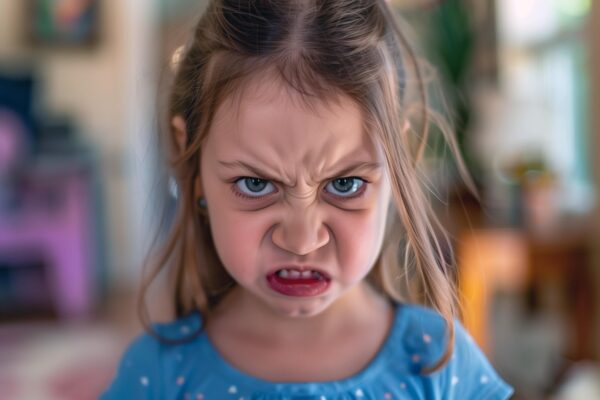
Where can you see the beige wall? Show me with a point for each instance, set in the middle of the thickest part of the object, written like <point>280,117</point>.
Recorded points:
<point>107,90</point>
<point>88,83</point>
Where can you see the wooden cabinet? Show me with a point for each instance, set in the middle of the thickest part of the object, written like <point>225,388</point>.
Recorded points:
<point>552,274</point>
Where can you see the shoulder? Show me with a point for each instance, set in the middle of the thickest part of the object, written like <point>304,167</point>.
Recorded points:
<point>467,375</point>
<point>415,316</point>
<point>141,370</point>
<point>421,333</point>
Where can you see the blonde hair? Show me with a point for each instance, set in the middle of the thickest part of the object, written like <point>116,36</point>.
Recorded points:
<point>321,49</point>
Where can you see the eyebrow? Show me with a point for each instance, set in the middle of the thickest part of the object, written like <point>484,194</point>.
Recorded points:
<point>363,165</point>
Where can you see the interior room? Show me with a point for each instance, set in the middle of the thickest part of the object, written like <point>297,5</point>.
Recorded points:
<point>85,197</point>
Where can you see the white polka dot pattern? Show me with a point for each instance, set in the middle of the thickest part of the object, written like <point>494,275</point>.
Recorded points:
<point>468,373</point>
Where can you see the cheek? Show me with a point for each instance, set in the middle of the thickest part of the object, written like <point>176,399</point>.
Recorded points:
<point>359,242</point>
<point>237,238</point>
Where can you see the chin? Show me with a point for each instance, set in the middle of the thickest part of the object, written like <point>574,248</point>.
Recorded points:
<point>296,309</point>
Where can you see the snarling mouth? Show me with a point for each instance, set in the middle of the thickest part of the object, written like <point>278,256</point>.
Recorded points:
<point>297,282</point>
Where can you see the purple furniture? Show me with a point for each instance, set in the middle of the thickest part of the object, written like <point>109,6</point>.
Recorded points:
<point>49,221</point>
<point>52,220</point>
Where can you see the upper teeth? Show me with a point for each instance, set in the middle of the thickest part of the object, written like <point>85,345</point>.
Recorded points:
<point>295,274</point>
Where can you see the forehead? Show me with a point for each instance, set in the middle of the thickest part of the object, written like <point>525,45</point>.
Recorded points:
<point>270,121</point>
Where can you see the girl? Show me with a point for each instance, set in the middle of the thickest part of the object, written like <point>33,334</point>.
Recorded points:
<point>303,240</point>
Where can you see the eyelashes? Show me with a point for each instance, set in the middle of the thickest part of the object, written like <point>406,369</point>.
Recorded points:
<point>356,186</point>
<point>249,182</point>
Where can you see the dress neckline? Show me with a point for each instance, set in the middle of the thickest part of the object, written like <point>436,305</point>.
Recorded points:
<point>370,371</point>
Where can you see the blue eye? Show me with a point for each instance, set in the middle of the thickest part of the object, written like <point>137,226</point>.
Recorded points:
<point>256,188</point>
<point>252,187</point>
<point>347,187</point>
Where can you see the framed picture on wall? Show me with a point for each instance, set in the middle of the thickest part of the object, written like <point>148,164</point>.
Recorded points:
<point>63,23</point>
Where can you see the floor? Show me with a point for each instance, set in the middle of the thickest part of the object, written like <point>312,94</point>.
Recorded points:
<point>49,359</point>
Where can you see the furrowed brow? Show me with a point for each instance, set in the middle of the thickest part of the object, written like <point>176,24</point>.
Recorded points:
<point>362,166</point>
<point>256,171</point>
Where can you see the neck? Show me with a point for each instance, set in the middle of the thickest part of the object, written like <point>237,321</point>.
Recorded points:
<point>242,312</point>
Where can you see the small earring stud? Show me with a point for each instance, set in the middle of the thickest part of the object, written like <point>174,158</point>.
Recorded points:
<point>202,202</point>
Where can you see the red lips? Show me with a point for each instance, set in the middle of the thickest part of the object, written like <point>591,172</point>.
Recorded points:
<point>298,282</point>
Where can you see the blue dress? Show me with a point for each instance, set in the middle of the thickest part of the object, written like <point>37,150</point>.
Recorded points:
<point>195,370</point>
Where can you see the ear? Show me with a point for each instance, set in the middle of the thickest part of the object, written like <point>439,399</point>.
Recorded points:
<point>180,132</point>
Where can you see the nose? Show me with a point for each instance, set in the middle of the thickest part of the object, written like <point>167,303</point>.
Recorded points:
<point>301,231</point>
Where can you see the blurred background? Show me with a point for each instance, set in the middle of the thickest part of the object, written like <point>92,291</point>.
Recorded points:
<point>81,182</point>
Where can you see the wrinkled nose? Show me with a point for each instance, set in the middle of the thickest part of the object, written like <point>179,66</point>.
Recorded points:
<point>301,231</point>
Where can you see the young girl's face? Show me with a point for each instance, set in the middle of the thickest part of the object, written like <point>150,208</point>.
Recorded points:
<point>297,198</point>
